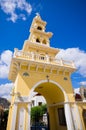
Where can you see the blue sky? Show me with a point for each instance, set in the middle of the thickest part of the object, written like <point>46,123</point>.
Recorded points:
<point>65,18</point>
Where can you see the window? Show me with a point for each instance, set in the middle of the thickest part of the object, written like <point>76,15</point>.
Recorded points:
<point>42,58</point>
<point>61,115</point>
<point>39,103</point>
<point>39,28</point>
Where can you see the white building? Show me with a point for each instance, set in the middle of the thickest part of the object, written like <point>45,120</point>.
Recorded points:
<point>37,100</point>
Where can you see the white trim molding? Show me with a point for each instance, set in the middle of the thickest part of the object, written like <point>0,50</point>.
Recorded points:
<point>13,124</point>
<point>29,116</point>
<point>21,119</point>
<point>68,115</point>
<point>76,117</point>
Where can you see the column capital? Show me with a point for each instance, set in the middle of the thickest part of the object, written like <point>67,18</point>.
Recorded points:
<point>22,99</point>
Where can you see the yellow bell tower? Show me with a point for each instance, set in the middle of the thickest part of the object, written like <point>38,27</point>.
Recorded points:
<point>38,33</point>
<point>35,69</point>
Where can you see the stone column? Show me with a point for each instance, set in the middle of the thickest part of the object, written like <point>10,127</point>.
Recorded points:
<point>47,58</point>
<point>68,115</point>
<point>29,118</point>
<point>13,123</point>
<point>78,122</point>
<point>32,54</point>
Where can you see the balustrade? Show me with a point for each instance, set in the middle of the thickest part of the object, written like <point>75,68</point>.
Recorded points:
<point>42,58</point>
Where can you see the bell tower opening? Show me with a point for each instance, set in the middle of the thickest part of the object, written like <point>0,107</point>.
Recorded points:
<point>39,28</point>
<point>44,41</point>
<point>37,40</point>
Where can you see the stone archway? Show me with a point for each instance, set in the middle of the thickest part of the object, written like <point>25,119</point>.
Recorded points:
<point>56,98</point>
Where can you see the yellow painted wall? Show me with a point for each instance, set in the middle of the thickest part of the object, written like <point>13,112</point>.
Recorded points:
<point>82,106</point>
<point>26,83</point>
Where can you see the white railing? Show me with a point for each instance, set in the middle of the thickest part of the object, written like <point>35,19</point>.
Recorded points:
<point>42,58</point>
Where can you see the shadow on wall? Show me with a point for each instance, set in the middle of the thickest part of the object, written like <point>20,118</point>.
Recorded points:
<point>84,117</point>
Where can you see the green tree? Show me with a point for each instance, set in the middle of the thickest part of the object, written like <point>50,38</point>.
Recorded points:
<point>37,113</point>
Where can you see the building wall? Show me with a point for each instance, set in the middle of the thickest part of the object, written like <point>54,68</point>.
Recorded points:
<point>81,107</point>
<point>36,100</point>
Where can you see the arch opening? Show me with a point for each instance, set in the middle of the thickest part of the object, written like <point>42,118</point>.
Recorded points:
<point>39,28</point>
<point>51,92</point>
<point>55,98</point>
<point>44,41</point>
<point>37,40</point>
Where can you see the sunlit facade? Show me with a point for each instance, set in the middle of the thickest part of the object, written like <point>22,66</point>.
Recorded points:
<point>35,69</point>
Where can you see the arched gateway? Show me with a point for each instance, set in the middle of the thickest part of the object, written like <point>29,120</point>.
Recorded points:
<point>56,99</point>
<point>35,68</point>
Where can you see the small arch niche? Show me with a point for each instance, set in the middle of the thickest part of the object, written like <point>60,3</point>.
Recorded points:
<point>39,28</point>
<point>44,41</point>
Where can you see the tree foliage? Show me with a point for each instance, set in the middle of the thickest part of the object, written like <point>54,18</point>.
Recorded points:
<point>37,113</point>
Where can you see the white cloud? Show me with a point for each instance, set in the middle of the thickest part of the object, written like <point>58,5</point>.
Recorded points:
<point>23,17</point>
<point>83,83</point>
<point>5,59</point>
<point>13,17</point>
<point>5,90</point>
<point>76,55</point>
<point>10,7</point>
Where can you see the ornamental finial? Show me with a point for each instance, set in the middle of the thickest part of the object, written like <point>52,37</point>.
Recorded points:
<point>37,14</point>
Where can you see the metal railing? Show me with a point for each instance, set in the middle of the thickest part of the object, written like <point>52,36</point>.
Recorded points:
<point>41,58</point>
